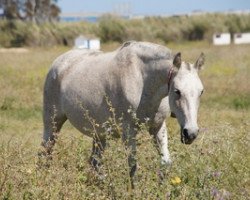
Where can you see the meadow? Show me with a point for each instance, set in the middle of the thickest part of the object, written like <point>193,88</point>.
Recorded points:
<point>216,166</point>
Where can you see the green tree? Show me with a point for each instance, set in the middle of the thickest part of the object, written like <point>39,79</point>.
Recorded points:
<point>30,10</point>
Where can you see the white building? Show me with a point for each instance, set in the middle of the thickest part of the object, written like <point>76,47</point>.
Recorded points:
<point>82,42</point>
<point>94,44</point>
<point>242,38</point>
<point>221,38</point>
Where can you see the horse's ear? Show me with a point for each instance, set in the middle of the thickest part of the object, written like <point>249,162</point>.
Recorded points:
<point>200,61</point>
<point>177,60</point>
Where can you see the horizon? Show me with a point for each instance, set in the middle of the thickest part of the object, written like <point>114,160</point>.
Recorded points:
<point>151,7</point>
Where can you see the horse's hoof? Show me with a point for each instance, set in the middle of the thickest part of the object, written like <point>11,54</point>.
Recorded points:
<point>166,162</point>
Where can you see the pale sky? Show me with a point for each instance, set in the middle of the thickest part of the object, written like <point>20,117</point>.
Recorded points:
<point>151,7</point>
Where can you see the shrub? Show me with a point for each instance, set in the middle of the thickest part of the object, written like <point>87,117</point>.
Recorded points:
<point>111,28</point>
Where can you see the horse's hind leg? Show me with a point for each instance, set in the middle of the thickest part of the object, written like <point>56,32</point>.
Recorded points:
<point>53,119</point>
<point>98,148</point>
<point>53,114</point>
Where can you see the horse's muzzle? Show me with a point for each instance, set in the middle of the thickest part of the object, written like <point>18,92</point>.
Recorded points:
<point>188,136</point>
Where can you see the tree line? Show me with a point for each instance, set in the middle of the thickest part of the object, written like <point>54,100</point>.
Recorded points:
<point>30,10</point>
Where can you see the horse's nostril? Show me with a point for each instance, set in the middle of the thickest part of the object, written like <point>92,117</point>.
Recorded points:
<point>185,132</point>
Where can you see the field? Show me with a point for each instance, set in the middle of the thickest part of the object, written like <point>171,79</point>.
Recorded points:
<point>216,166</point>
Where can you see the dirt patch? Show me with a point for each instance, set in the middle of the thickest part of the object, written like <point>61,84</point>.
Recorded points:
<point>13,50</point>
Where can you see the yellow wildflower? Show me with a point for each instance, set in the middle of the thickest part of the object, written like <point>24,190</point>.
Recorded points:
<point>176,180</point>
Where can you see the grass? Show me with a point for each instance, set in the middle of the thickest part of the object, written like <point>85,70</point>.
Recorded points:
<point>216,166</point>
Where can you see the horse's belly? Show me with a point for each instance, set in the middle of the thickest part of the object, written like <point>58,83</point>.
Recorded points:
<point>86,112</point>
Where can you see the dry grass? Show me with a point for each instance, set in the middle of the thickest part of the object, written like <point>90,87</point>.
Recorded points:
<point>216,166</point>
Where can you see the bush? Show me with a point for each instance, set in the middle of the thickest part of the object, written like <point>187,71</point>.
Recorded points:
<point>111,28</point>
<point>18,33</point>
<point>115,29</point>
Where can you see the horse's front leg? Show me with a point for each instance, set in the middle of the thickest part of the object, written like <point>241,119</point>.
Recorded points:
<point>161,137</point>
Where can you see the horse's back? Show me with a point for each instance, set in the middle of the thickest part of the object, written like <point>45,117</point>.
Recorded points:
<point>68,61</point>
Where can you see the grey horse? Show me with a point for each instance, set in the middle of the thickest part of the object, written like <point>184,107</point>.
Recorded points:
<point>146,78</point>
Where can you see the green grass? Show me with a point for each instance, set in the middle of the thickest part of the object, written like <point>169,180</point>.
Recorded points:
<point>216,166</point>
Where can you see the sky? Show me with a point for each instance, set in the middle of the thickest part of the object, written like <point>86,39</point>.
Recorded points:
<point>151,7</point>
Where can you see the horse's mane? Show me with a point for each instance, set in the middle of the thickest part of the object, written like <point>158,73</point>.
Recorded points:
<point>146,51</point>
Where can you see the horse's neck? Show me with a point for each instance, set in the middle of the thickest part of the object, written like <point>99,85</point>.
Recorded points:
<point>156,82</point>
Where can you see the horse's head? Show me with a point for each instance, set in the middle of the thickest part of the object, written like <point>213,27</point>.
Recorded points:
<point>184,96</point>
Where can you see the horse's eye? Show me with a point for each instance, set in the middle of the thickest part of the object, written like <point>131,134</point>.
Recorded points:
<point>178,92</point>
<point>201,92</point>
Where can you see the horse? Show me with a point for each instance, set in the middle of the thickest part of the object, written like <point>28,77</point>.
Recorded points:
<point>142,77</point>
